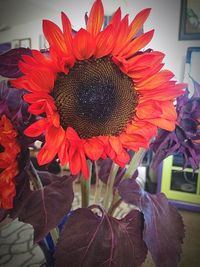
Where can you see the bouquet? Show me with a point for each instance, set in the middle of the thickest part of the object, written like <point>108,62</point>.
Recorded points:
<point>95,99</point>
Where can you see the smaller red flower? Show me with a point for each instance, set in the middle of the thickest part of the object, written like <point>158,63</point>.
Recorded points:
<point>9,149</point>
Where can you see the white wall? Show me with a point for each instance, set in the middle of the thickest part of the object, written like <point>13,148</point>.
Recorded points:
<point>164,18</point>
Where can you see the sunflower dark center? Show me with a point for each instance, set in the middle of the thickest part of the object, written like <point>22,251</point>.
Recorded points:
<point>95,98</point>
<point>96,101</point>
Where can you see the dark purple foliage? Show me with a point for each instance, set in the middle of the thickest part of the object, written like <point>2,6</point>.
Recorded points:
<point>88,240</point>
<point>44,208</point>
<point>14,107</point>
<point>104,171</point>
<point>9,62</point>
<point>163,226</point>
<point>185,139</point>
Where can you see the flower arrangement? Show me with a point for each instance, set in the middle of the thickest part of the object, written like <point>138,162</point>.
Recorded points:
<point>95,99</point>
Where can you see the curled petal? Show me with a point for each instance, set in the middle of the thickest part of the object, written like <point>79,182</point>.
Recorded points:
<point>37,128</point>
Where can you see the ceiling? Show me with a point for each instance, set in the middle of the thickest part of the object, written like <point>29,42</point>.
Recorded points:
<point>15,12</point>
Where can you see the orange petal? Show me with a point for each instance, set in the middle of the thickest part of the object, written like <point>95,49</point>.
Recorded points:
<point>37,128</point>
<point>67,30</point>
<point>115,144</point>
<point>138,21</point>
<point>96,17</point>
<point>163,124</point>
<point>93,149</point>
<point>54,36</point>
<point>104,42</point>
<point>46,155</point>
<point>137,44</point>
<point>84,45</point>
<point>156,80</point>
<point>149,109</point>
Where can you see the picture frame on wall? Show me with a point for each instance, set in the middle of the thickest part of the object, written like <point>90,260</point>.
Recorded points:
<point>25,42</point>
<point>189,28</point>
<point>15,43</point>
<point>191,73</point>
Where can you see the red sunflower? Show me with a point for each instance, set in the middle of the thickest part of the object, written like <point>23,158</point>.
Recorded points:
<point>9,149</point>
<point>100,94</point>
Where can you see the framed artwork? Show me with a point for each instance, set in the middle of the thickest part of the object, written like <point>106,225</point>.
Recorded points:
<point>192,64</point>
<point>26,42</point>
<point>182,187</point>
<point>189,20</point>
<point>15,43</point>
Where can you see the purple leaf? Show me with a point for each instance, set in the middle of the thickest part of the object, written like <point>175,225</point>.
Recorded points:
<point>163,228</point>
<point>88,240</point>
<point>44,208</point>
<point>9,62</point>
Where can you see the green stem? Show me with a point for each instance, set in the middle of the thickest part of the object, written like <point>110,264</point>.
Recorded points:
<point>135,162</point>
<point>98,185</point>
<point>85,187</point>
<point>109,187</point>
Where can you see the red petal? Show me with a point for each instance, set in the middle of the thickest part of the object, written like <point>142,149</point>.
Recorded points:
<point>32,98</point>
<point>137,23</point>
<point>96,18</point>
<point>54,36</point>
<point>104,42</point>
<point>46,155</point>
<point>54,137</point>
<point>137,44</point>
<point>63,152</point>
<point>121,35</point>
<point>116,18</point>
<point>84,45</point>
<point>41,81</point>
<point>84,166</point>
<point>72,134</point>
<point>37,128</point>
<point>93,149</point>
<point>74,160</point>
<point>67,30</point>
<point>122,159</point>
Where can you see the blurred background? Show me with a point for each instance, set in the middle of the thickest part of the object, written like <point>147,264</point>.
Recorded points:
<point>177,28</point>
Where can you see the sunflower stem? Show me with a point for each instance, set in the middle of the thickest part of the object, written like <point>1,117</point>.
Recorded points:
<point>34,177</point>
<point>109,186</point>
<point>135,162</point>
<point>85,187</point>
<point>98,185</point>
